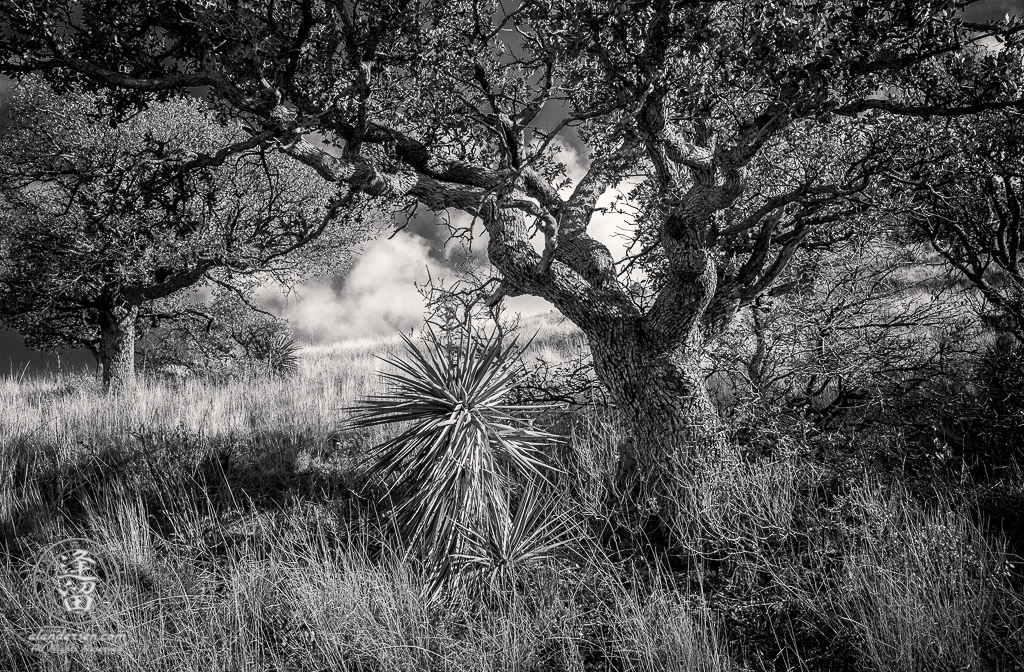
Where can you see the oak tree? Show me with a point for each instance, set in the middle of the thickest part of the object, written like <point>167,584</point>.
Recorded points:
<point>99,223</point>
<point>959,184</point>
<point>747,131</point>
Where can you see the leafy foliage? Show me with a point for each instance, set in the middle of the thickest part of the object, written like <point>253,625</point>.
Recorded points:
<point>999,432</point>
<point>98,222</point>
<point>220,337</point>
<point>958,184</point>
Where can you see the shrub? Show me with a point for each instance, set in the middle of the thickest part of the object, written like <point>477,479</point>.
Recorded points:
<point>1000,396</point>
<point>221,338</point>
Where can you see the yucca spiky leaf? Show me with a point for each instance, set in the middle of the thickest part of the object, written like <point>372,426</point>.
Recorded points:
<point>462,443</point>
<point>495,556</point>
<point>282,355</point>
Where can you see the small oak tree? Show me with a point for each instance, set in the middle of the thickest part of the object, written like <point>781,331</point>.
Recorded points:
<point>960,184</point>
<point>751,128</point>
<point>98,222</point>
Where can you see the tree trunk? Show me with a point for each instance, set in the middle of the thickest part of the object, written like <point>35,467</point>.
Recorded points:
<point>648,361</point>
<point>117,346</point>
<point>665,407</point>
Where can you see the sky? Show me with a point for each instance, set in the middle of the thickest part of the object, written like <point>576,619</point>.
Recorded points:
<point>378,294</point>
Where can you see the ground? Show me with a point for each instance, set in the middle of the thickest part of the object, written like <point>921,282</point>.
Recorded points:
<point>249,536</point>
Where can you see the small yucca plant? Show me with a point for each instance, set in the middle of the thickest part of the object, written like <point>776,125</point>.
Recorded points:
<point>281,355</point>
<point>495,558</point>
<point>453,461</point>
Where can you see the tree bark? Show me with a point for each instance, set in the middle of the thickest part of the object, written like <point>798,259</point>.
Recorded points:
<point>117,346</point>
<point>665,407</point>
<point>650,362</point>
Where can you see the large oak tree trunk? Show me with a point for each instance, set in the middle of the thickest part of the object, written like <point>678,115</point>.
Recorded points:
<point>117,346</point>
<point>648,361</point>
<point>665,407</point>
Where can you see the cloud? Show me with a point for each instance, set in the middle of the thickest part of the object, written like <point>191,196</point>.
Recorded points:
<point>377,296</point>
<point>988,10</point>
<point>576,161</point>
<point>527,305</point>
<point>613,229</point>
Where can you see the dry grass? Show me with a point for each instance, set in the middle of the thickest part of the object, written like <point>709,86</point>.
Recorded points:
<point>922,586</point>
<point>246,542</point>
<point>70,409</point>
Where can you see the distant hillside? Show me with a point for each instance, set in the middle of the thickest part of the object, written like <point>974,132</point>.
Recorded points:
<point>14,356</point>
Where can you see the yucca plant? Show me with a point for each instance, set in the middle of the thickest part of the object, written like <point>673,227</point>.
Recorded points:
<point>495,558</point>
<point>453,461</point>
<point>281,355</point>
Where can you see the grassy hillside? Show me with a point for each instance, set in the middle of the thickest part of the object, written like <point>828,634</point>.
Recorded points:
<point>250,537</point>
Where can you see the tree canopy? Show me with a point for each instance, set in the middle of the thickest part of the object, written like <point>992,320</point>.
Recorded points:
<point>96,228</point>
<point>750,129</point>
<point>958,184</point>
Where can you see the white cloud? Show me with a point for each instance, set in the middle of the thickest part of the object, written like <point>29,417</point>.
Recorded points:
<point>527,305</point>
<point>576,165</point>
<point>378,295</point>
<point>611,228</point>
